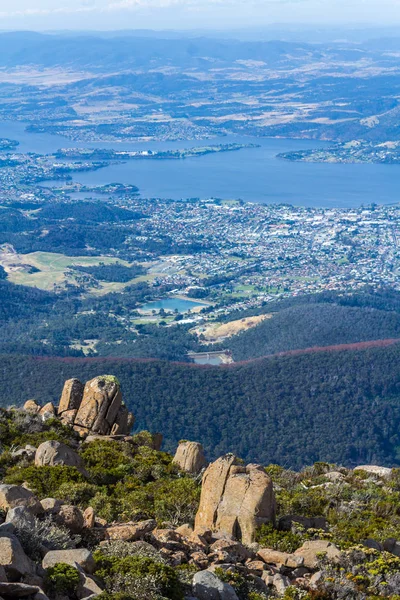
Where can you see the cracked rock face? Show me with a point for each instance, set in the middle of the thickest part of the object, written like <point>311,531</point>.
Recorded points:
<point>95,408</point>
<point>235,500</point>
<point>190,457</point>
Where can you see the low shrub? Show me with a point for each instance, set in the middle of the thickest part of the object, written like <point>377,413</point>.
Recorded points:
<point>62,579</point>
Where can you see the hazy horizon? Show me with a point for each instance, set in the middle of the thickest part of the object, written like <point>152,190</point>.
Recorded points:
<point>195,14</point>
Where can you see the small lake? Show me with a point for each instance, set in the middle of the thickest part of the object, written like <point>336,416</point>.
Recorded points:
<point>172,304</point>
<point>252,174</point>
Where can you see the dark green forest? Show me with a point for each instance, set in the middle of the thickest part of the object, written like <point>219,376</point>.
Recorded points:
<point>341,407</point>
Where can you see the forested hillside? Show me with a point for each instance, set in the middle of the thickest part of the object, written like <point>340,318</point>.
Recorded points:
<point>308,325</point>
<point>341,407</point>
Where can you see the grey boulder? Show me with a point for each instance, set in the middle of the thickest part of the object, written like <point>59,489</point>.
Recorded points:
<point>207,586</point>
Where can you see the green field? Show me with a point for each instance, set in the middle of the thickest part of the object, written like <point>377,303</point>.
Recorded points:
<point>54,269</point>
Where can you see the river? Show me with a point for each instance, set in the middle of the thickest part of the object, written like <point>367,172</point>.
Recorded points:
<point>252,174</point>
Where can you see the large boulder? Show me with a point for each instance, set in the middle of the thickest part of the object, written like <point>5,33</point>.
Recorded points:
<point>13,558</point>
<point>21,517</point>
<point>100,405</point>
<point>207,586</point>
<point>53,453</point>
<point>31,406</point>
<point>190,457</point>
<point>71,396</point>
<point>16,495</point>
<point>375,470</point>
<point>235,500</point>
<point>80,556</point>
<point>312,550</point>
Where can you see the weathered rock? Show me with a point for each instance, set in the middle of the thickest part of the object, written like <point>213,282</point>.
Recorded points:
<point>235,500</point>
<point>190,457</point>
<point>31,406</point>
<point>3,575</point>
<point>311,550</point>
<point>315,580</point>
<point>269,556</point>
<point>53,453</point>
<point>68,417</point>
<point>20,516</point>
<point>100,404</point>
<point>18,590</point>
<point>13,558</point>
<point>89,518</point>
<point>130,532</point>
<point>71,396</point>
<point>256,567</point>
<point>48,409</point>
<point>71,517</point>
<point>27,452</point>
<point>375,470</point>
<point>207,586</point>
<point>185,530</point>
<point>16,495</point>
<point>88,588</point>
<point>51,505</point>
<point>234,549</point>
<point>80,556</point>
<point>199,559</point>
<point>280,582</point>
<point>123,422</point>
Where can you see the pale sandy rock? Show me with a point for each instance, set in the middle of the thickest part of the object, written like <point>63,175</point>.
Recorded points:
<point>68,417</point>
<point>31,406</point>
<point>100,404</point>
<point>51,505</point>
<point>280,582</point>
<point>311,550</point>
<point>71,396</point>
<point>235,550</point>
<point>213,486</point>
<point>190,457</point>
<point>80,556</point>
<point>129,532</point>
<point>235,500</point>
<point>123,422</point>
<point>375,470</point>
<point>53,453</point>
<point>16,495</point>
<point>13,558</point>
<point>89,518</point>
<point>48,409</point>
<point>270,556</point>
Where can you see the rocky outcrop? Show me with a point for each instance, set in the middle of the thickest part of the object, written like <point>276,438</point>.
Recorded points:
<point>96,408</point>
<point>235,500</point>
<point>190,457</point>
<point>375,470</point>
<point>31,406</point>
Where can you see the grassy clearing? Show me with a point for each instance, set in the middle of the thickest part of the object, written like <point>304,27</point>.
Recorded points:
<point>216,332</point>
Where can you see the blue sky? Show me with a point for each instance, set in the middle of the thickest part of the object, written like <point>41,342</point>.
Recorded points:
<point>189,14</point>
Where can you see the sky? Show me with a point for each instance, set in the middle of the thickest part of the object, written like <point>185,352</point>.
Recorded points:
<point>191,14</point>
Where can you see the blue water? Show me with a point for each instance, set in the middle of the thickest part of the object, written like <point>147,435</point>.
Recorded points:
<point>171,304</point>
<point>253,174</point>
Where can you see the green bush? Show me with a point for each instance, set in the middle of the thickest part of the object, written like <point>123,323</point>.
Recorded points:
<point>62,579</point>
<point>142,577</point>
<point>44,481</point>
